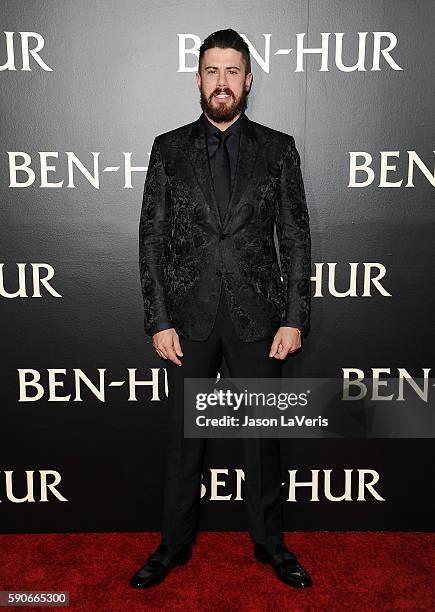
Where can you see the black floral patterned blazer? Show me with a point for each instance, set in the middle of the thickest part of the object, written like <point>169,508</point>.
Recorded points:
<point>187,253</point>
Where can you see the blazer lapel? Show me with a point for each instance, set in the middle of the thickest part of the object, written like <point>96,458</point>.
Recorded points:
<point>198,155</point>
<point>248,151</point>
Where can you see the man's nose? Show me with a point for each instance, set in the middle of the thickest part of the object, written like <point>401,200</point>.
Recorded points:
<point>222,80</point>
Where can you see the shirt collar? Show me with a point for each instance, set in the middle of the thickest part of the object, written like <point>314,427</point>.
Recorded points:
<point>212,129</point>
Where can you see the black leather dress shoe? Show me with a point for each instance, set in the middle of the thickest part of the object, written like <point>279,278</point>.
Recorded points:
<point>158,566</point>
<point>288,570</point>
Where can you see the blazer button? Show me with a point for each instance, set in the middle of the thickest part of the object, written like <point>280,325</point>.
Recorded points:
<point>222,237</point>
<point>219,274</point>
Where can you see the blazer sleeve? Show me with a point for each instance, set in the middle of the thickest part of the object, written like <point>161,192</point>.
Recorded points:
<point>293,232</point>
<point>154,243</point>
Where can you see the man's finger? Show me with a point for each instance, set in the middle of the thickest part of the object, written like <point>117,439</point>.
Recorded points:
<point>172,356</point>
<point>160,347</point>
<point>296,346</point>
<point>274,347</point>
<point>177,346</point>
<point>283,351</point>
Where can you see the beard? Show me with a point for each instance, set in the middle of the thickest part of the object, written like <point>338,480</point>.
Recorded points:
<point>221,112</point>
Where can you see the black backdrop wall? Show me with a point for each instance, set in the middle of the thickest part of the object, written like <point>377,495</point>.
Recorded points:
<point>85,87</point>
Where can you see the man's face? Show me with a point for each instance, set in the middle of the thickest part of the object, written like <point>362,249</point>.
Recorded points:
<point>223,84</point>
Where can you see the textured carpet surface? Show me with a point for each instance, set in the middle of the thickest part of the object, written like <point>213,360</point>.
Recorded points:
<point>351,570</point>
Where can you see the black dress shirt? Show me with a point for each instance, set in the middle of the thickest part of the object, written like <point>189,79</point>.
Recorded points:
<point>212,140</point>
<point>212,134</point>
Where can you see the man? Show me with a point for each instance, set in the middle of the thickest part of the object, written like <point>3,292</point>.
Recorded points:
<point>214,285</point>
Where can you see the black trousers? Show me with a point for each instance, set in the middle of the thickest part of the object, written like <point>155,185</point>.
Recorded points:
<point>262,465</point>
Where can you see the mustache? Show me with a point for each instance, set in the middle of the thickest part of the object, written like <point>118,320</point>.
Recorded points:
<point>222,91</point>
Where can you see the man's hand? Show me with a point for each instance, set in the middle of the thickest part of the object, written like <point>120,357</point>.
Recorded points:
<point>167,345</point>
<point>287,340</point>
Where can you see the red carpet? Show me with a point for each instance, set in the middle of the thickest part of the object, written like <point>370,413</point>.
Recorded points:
<point>363,571</point>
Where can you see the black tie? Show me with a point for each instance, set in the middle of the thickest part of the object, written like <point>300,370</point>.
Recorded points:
<point>222,174</point>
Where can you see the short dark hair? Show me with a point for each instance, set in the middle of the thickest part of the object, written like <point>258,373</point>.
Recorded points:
<point>226,39</point>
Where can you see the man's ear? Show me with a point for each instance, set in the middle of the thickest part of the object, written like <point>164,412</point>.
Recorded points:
<point>249,76</point>
<point>198,80</point>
